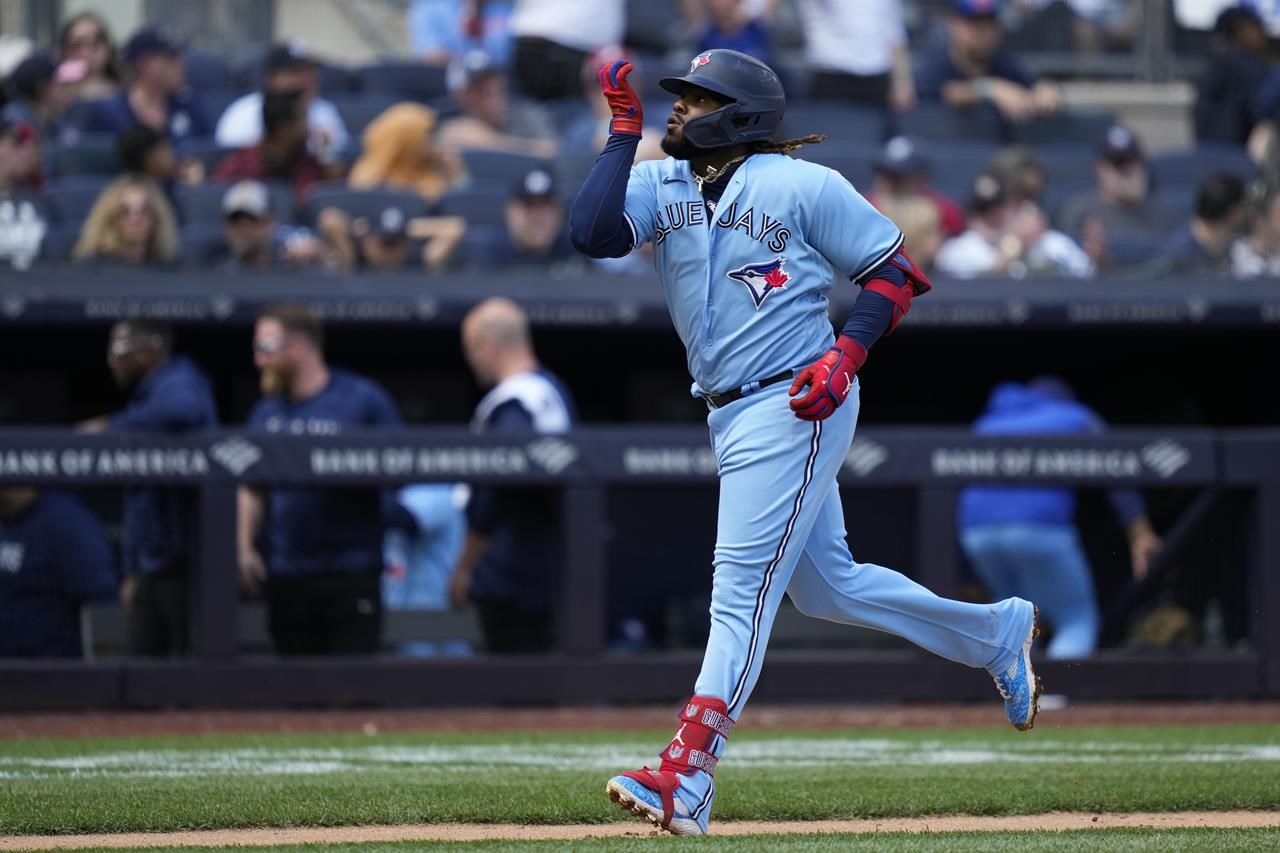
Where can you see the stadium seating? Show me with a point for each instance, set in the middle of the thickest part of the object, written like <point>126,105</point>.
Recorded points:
<point>68,201</point>
<point>214,102</point>
<point>199,243</point>
<point>936,122</point>
<point>1086,127</point>
<point>843,123</point>
<point>501,168</point>
<point>358,110</point>
<point>479,205</point>
<point>208,71</point>
<point>334,79</point>
<point>93,154</point>
<point>366,203</point>
<point>208,152</point>
<point>414,80</point>
<point>202,204</point>
<point>1190,167</point>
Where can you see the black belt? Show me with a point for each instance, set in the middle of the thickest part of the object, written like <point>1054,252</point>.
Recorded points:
<point>716,401</point>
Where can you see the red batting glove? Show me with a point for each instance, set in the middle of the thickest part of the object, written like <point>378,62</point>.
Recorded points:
<point>829,380</point>
<point>628,114</point>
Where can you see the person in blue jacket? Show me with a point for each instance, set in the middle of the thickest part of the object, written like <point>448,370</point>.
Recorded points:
<point>1022,540</point>
<point>54,557</point>
<point>169,394</point>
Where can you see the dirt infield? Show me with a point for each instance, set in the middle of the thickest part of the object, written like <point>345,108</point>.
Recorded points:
<point>763,717</point>
<point>518,832</point>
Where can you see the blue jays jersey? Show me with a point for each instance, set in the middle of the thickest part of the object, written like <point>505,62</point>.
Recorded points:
<point>747,283</point>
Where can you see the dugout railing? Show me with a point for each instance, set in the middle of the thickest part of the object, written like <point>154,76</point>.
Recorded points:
<point>933,463</point>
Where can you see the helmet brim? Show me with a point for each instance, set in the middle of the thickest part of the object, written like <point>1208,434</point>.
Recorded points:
<point>677,85</point>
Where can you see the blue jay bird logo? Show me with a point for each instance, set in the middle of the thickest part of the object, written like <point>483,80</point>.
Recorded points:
<point>762,279</point>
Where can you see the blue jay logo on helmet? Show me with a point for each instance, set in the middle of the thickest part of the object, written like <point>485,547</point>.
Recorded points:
<point>699,61</point>
<point>762,279</point>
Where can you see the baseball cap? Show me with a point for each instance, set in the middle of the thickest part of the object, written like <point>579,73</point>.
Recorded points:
<point>286,56</point>
<point>148,42</point>
<point>987,193</point>
<point>33,72</point>
<point>976,8</point>
<point>902,156</point>
<point>390,223</point>
<point>472,66</point>
<point>535,184</point>
<point>1119,145</point>
<point>249,197</point>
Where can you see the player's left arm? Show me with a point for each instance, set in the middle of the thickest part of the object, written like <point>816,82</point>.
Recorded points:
<point>864,245</point>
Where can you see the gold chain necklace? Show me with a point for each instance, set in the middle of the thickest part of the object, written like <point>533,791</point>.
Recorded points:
<point>714,174</point>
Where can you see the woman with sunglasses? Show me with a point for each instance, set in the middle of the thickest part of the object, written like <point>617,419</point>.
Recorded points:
<point>130,223</point>
<point>85,37</point>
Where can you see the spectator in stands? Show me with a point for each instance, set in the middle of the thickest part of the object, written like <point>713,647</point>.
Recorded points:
<point>324,564</point>
<point>285,68</point>
<point>282,154</point>
<point>588,130</point>
<point>491,120</point>
<point>975,71</point>
<point>391,241</point>
<point>443,31</point>
<point>1006,238</point>
<point>1227,94</point>
<point>1123,204</point>
<point>1085,26</point>
<point>401,153</point>
<point>1257,253</point>
<point>535,232</point>
<point>554,38</point>
<point>85,36</point>
<point>741,25</point>
<point>131,223</point>
<point>1023,541</point>
<point>22,222</point>
<point>255,238</point>
<point>420,559</point>
<point>917,219</point>
<point>155,96</point>
<point>168,395</point>
<point>1203,245</point>
<point>40,91</point>
<point>54,557</point>
<point>857,51</point>
<point>902,171</point>
<point>148,153</point>
<point>508,567</point>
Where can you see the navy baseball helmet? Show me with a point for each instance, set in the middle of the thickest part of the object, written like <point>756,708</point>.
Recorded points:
<point>756,100</point>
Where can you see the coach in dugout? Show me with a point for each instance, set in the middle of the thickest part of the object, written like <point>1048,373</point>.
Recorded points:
<point>169,395</point>
<point>324,561</point>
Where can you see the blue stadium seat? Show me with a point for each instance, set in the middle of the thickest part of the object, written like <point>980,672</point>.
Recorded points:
<point>358,111</point>
<point>93,154</point>
<point>208,71</point>
<point>58,242</point>
<point>479,205</point>
<point>940,123</point>
<point>68,201</point>
<point>202,204</point>
<point>841,122</point>
<point>1070,165</point>
<point>208,152</point>
<point>334,79</point>
<point>501,168</point>
<point>1083,126</point>
<point>214,102</point>
<point>405,79</point>
<point>572,168</point>
<point>200,242</point>
<point>1191,166</point>
<point>366,203</point>
<point>1129,250</point>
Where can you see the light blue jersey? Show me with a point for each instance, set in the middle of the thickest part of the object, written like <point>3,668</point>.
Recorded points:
<point>748,295</point>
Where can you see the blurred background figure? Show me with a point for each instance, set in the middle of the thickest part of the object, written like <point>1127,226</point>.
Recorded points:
<point>23,225</point>
<point>903,171</point>
<point>442,31</point>
<point>40,92</point>
<point>1256,254</point>
<point>535,232</point>
<point>420,557</point>
<point>282,155</point>
<point>255,238</point>
<point>54,558</point>
<point>877,71</point>
<point>509,564</point>
<point>975,70</point>
<point>391,241</point>
<point>322,574</point>
<point>1202,246</point>
<point>491,119</point>
<point>286,68</point>
<point>85,37</point>
<point>402,152</point>
<point>1023,541</point>
<point>917,219</point>
<point>554,37</point>
<point>131,224</point>
<point>741,25</point>
<point>147,153</point>
<point>156,94</point>
<point>1227,94</point>
<point>167,394</point>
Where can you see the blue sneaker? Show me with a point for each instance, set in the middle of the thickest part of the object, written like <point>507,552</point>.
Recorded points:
<point>1019,686</point>
<point>654,796</point>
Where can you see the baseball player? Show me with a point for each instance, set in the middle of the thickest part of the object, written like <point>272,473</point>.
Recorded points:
<point>747,244</point>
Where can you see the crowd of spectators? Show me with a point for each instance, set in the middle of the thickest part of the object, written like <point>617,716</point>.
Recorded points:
<point>110,154</point>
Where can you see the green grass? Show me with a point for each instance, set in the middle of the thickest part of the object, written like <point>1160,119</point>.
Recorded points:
<point>1140,840</point>
<point>168,783</point>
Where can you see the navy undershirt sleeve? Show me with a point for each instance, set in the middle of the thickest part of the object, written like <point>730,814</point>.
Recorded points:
<point>597,224</point>
<point>872,312</point>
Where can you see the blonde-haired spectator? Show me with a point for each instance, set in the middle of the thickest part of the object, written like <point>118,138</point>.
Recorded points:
<point>400,153</point>
<point>130,223</point>
<point>921,226</point>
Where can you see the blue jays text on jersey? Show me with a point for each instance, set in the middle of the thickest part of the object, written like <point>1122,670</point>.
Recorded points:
<point>674,216</point>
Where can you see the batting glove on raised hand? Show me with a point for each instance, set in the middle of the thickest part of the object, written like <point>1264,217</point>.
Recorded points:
<point>829,380</point>
<point>628,114</point>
